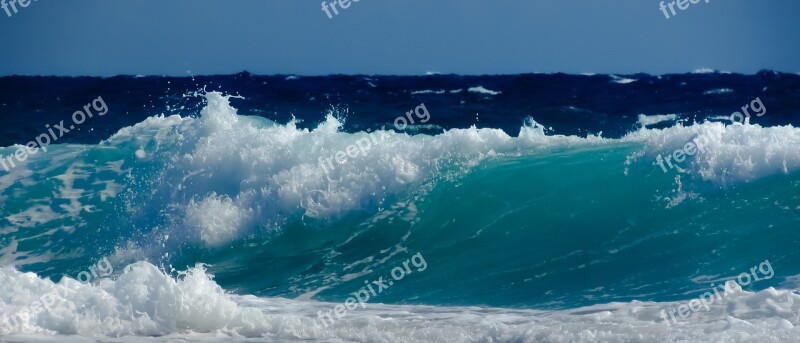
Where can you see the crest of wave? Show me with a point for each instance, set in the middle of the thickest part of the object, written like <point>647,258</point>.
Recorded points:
<point>731,153</point>
<point>227,174</point>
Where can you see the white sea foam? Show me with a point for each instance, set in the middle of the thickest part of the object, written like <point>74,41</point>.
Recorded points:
<point>481,90</point>
<point>733,154</point>
<point>217,218</point>
<point>429,91</point>
<point>145,305</point>
<point>142,301</point>
<point>645,120</point>
<point>704,71</point>
<point>718,91</point>
<point>621,80</point>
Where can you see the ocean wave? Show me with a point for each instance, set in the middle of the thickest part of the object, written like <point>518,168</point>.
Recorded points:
<point>249,194</point>
<point>223,175</point>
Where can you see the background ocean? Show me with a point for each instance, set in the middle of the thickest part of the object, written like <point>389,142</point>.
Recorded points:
<point>535,200</point>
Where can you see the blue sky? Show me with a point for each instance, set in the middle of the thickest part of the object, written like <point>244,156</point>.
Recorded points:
<point>157,37</point>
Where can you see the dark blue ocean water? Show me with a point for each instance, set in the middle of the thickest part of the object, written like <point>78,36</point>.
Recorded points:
<point>570,104</point>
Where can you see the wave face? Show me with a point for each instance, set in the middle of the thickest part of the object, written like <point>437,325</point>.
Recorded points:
<point>213,225</point>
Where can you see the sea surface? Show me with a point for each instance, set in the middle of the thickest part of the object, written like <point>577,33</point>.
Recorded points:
<point>514,208</point>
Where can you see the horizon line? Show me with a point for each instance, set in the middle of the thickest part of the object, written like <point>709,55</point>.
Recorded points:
<point>700,71</point>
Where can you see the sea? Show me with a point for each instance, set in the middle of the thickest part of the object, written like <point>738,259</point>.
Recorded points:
<point>380,208</point>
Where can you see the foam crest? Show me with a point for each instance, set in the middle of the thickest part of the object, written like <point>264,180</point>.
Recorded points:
<point>730,154</point>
